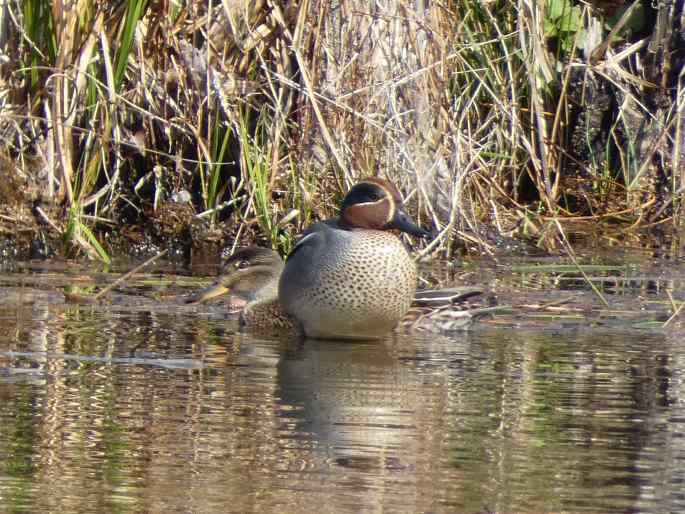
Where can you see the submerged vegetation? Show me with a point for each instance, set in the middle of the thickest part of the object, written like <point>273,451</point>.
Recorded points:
<point>250,119</point>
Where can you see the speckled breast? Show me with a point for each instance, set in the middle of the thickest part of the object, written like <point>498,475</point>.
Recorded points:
<point>359,288</point>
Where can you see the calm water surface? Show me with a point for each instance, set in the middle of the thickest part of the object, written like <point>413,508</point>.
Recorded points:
<point>142,407</point>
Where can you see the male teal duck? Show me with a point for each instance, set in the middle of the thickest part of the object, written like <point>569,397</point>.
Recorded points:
<point>352,278</point>
<point>347,278</point>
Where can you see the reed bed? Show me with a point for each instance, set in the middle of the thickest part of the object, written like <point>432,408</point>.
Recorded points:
<point>495,119</point>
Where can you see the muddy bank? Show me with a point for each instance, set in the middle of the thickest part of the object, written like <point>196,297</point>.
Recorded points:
<point>33,229</point>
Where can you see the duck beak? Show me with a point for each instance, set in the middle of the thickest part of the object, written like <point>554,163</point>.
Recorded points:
<point>402,221</point>
<point>212,291</point>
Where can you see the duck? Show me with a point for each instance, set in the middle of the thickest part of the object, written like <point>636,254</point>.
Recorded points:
<point>352,277</point>
<point>252,274</point>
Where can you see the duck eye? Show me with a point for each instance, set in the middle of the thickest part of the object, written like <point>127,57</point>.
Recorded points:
<point>243,264</point>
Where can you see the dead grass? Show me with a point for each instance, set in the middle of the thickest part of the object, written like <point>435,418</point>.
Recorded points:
<point>493,118</point>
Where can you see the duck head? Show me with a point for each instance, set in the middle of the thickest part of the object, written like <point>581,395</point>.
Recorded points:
<point>375,203</point>
<point>251,273</point>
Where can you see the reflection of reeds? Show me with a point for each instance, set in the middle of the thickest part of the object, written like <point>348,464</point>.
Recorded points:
<point>515,115</point>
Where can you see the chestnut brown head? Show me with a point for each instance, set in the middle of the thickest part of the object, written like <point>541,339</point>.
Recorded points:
<point>375,203</point>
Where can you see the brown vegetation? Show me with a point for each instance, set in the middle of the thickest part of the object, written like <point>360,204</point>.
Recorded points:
<point>492,117</point>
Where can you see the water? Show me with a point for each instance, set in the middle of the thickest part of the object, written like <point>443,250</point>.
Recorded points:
<point>144,406</point>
